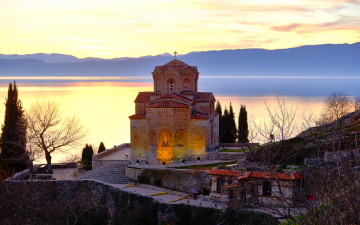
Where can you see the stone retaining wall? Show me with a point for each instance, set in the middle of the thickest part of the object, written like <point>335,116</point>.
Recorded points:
<point>175,179</point>
<point>91,202</point>
<point>231,155</point>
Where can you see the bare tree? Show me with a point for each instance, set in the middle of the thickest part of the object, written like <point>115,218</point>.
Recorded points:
<point>335,106</point>
<point>281,125</point>
<point>273,133</point>
<point>49,132</point>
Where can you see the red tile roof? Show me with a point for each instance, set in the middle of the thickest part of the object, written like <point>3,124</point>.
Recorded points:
<point>267,175</point>
<point>202,96</point>
<point>174,95</point>
<point>197,115</point>
<point>225,172</point>
<point>144,97</point>
<point>140,115</point>
<point>280,176</point>
<point>187,93</point>
<point>168,104</point>
<point>176,65</point>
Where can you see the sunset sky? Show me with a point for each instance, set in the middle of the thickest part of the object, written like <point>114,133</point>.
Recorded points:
<point>117,28</point>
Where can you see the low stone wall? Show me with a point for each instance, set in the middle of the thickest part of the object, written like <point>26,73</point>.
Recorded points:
<point>22,175</point>
<point>91,202</point>
<point>175,179</point>
<point>104,162</point>
<point>238,145</point>
<point>231,155</point>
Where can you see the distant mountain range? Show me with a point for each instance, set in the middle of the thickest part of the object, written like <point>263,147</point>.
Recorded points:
<point>314,60</point>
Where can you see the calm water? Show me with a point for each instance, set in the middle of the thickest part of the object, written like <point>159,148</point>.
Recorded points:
<point>104,104</point>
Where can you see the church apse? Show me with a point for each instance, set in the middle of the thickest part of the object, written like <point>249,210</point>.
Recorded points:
<point>174,122</point>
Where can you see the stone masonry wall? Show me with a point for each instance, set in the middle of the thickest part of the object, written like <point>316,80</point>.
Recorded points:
<point>91,202</point>
<point>174,179</point>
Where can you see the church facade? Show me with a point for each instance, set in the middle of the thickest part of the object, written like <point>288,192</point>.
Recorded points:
<point>175,121</point>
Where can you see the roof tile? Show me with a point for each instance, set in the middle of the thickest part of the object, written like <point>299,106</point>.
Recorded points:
<point>168,104</point>
<point>144,97</point>
<point>140,115</point>
<point>177,65</point>
<point>202,96</point>
<point>255,174</point>
<point>197,115</point>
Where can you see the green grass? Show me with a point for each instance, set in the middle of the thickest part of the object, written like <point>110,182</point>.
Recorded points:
<point>204,167</point>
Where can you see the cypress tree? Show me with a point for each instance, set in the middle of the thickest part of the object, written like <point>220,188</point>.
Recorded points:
<point>225,126</point>
<point>87,153</point>
<point>243,131</point>
<point>101,147</point>
<point>231,125</point>
<point>221,122</point>
<point>86,157</point>
<point>218,108</point>
<point>13,137</point>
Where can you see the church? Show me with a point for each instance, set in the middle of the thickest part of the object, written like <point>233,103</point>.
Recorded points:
<point>175,122</point>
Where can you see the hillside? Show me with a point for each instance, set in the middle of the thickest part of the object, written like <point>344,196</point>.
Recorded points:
<point>316,60</point>
<point>315,141</point>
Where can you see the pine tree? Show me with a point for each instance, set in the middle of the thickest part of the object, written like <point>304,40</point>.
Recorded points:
<point>231,125</point>
<point>101,147</point>
<point>13,137</point>
<point>243,131</point>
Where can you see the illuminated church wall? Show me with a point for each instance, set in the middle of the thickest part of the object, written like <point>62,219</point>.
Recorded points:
<point>174,122</point>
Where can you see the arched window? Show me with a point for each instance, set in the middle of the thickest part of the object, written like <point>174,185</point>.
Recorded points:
<point>180,138</point>
<point>164,138</point>
<point>186,83</point>
<point>171,85</point>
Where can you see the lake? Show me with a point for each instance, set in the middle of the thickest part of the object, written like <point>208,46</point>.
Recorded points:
<point>104,103</point>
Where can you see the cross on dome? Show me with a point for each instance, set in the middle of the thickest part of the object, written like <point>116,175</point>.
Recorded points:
<point>175,53</point>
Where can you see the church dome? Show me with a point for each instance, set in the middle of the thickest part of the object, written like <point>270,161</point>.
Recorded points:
<point>177,65</point>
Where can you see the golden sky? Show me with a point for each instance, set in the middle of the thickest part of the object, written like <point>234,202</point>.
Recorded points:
<point>118,28</point>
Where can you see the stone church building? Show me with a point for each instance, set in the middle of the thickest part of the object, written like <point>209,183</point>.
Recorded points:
<point>175,121</point>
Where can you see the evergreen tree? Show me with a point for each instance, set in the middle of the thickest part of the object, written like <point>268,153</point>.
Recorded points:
<point>243,131</point>
<point>87,153</point>
<point>218,108</point>
<point>231,125</point>
<point>101,147</point>
<point>221,122</point>
<point>86,156</point>
<point>225,126</point>
<point>13,137</point>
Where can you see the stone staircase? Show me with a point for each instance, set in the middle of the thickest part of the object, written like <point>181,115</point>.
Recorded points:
<point>108,171</point>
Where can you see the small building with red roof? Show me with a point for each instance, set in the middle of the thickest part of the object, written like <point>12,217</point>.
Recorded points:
<point>175,121</point>
<point>244,188</point>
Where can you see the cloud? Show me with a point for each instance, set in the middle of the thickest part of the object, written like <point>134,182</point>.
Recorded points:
<point>289,27</point>
<point>340,24</point>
